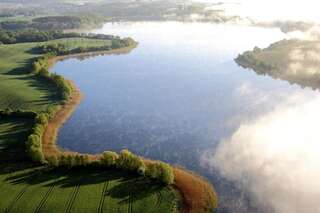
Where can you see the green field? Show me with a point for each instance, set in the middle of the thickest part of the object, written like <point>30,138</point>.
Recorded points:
<point>21,90</point>
<point>28,188</point>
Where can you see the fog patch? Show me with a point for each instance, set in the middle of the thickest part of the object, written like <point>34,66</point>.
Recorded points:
<point>275,157</point>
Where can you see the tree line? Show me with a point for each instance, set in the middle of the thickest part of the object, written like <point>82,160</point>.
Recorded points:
<point>52,22</point>
<point>40,67</point>
<point>58,49</point>
<point>34,35</point>
<point>125,161</point>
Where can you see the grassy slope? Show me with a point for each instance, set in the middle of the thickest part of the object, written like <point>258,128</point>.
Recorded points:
<point>25,188</point>
<point>19,89</point>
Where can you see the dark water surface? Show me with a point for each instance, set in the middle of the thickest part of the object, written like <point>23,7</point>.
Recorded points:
<point>175,97</point>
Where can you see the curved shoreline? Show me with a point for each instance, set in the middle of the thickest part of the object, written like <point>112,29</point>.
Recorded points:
<point>196,193</point>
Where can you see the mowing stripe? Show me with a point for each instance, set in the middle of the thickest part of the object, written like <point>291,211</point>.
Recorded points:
<point>103,196</point>
<point>72,199</point>
<point>157,204</point>
<point>130,208</point>
<point>17,198</point>
<point>159,199</point>
<point>3,182</point>
<point>44,199</point>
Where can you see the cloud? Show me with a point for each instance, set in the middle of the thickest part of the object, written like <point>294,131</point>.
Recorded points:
<point>275,157</point>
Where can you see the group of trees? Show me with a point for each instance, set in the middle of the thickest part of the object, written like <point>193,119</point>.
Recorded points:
<point>34,142</point>
<point>40,121</point>
<point>34,35</point>
<point>52,23</point>
<point>69,160</point>
<point>40,67</point>
<point>34,145</point>
<point>62,49</point>
<point>125,161</point>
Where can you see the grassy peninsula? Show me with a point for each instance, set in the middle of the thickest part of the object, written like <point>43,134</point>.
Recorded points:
<point>33,178</point>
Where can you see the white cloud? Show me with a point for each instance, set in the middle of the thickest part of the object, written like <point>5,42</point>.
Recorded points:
<point>276,156</point>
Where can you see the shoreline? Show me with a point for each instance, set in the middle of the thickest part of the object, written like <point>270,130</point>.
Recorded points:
<point>195,192</point>
<point>49,138</point>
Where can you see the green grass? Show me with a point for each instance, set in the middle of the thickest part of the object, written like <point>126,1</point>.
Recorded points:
<point>21,90</point>
<point>28,188</point>
<point>44,190</point>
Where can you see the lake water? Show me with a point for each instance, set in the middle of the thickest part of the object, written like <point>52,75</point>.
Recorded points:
<point>179,97</point>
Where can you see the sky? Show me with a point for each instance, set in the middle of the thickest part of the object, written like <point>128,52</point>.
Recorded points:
<point>268,10</point>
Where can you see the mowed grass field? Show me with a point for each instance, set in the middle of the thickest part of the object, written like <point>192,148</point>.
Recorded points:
<point>28,188</point>
<point>21,90</point>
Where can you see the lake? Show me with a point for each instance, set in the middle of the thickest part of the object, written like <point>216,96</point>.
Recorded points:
<point>179,97</point>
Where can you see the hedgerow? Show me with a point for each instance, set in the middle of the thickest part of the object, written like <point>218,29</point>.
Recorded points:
<point>160,171</point>
<point>40,67</point>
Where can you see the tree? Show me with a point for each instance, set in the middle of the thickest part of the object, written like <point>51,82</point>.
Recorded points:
<point>53,161</point>
<point>167,176</point>
<point>160,171</point>
<point>42,119</point>
<point>129,162</point>
<point>85,160</point>
<point>109,158</point>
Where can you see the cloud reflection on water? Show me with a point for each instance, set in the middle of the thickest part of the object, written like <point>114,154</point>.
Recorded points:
<point>275,157</point>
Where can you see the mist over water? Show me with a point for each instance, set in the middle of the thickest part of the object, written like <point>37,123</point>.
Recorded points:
<point>271,10</point>
<point>180,97</point>
<point>275,156</point>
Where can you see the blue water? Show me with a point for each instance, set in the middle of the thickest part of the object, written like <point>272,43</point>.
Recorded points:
<point>174,98</point>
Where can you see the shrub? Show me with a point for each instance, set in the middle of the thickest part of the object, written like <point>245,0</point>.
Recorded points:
<point>63,161</point>
<point>51,111</point>
<point>42,118</point>
<point>129,162</point>
<point>40,64</point>
<point>53,161</point>
<point>109,159</point>
<point>167,176</point>
<point>70,161</point>
<point>77,160</point>
<point>85,160</point>
<point>34,148</point>
<point>160,171</point>
<point>153,171</point>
